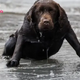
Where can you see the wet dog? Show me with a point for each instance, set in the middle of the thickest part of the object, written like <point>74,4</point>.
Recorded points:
<point>43,31</point>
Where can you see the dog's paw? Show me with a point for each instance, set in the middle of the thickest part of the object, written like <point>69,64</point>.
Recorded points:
<point>12,63</point>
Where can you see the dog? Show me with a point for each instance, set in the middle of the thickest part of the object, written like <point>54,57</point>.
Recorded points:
<point>44,29</point>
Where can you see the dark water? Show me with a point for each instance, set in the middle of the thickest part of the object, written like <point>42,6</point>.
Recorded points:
<point>65,65</point>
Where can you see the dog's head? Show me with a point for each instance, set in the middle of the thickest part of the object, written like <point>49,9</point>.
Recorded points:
<point>45,14</point>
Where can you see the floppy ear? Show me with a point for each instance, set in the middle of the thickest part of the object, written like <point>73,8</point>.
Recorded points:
<point>63,19</point>
<point>29,16</point>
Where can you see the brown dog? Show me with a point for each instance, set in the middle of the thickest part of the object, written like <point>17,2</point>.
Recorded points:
<point>44,28</point>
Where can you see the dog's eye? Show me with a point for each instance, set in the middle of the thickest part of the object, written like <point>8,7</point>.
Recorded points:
<point>51,11</point>
<point>39,12</point>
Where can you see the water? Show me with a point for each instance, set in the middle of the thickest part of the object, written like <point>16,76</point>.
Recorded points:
<point>65,65</point>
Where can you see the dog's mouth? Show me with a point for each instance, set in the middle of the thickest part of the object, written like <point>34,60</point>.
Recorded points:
<point>45,26</point>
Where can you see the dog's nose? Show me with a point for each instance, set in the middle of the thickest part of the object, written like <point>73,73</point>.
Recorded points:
<point>46,21</point>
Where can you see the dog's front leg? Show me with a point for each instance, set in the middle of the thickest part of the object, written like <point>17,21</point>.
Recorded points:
<point>73,41</point>
<point>14,61</point>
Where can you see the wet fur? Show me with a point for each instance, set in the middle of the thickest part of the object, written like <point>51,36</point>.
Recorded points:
<point>33,41</point>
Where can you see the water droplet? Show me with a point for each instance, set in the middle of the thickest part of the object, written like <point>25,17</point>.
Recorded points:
<point>38,76</point>
<point>51,73</point>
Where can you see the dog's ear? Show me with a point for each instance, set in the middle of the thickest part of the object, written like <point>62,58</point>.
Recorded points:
<point>30,14</point>
<point>63,19</point>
